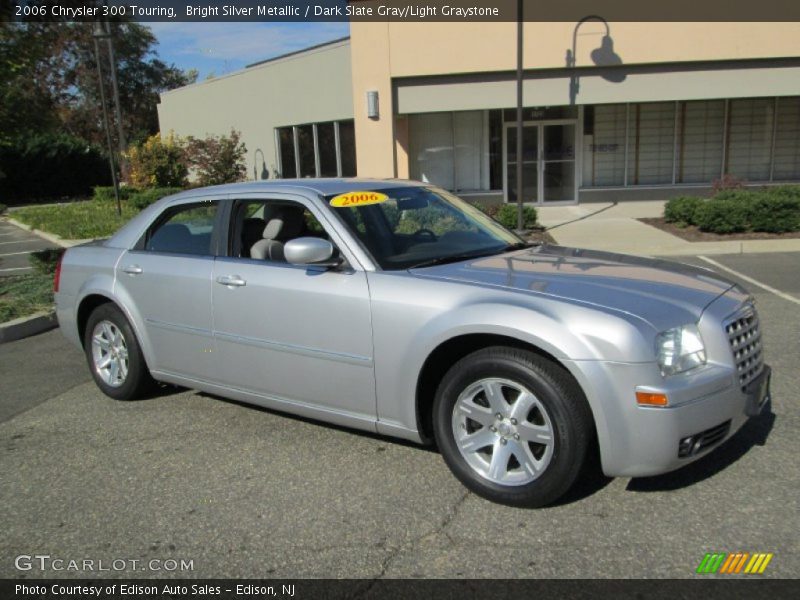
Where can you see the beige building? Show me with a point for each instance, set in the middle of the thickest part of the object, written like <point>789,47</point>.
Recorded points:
<point>622,110</point>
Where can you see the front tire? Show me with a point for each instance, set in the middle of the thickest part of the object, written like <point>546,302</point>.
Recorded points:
<point>114,355</point>
<point>512,426</point>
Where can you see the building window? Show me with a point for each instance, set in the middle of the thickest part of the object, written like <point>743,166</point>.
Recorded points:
<point>452,149</point>
<point>749,145</point>
<point>286,153</point>
<point>317,150</point>
<point>651,141</point>
<point>755,139</point>
<point>786,161</point>
<point>347,146</point>
<point>326,142</point>
<point>431,148</point>
<point>604,145</point>
<point>495,150</point>
<point>701,130</point>
<point>305,148</point>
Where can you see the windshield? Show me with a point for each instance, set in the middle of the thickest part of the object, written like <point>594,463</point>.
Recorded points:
<point>417,226</point>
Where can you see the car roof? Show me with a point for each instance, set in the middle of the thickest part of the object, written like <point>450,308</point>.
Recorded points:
<point>323,186</point>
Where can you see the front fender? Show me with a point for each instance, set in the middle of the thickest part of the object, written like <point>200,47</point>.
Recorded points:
<point>407,333</point>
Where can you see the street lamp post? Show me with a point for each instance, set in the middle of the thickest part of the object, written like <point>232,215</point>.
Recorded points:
<point>520,46</point>
<point>99,33</point>
<point>123,145</point>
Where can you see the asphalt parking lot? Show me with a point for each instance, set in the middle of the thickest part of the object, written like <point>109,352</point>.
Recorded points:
<point>245,492</point>
<point>16,246</point>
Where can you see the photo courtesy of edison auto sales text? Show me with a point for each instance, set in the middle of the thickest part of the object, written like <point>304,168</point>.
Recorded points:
<point>166,590</point>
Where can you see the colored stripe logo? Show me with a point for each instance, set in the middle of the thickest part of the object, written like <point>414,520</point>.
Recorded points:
<point>735,563</point>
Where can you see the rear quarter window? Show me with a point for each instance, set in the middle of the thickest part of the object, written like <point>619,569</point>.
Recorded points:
<point>184,230</point>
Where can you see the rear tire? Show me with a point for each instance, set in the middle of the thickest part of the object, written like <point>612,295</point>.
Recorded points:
<point>512,426</point>
<point>114,355</point>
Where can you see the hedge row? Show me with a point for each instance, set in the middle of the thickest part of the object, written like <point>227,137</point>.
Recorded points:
<point>773,210</point>
<point>50,166</point>
<point>134,196</point>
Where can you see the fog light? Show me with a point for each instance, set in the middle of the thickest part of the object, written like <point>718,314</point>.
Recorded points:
<point>685,446</point>
<point>651,399</point>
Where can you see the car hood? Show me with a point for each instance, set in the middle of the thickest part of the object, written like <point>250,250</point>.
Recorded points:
<point>663,293</point>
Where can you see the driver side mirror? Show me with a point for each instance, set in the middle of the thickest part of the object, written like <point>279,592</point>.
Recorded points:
<point>311,251</point>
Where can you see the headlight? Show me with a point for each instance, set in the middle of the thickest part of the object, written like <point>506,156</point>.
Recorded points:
<point>680,349</point>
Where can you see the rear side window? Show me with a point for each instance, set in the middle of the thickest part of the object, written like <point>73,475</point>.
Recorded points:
<point>185,230</point>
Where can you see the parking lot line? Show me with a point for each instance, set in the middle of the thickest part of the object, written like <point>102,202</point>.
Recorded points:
<point>16,269</point>
<point>15,253</point>
<point>748,279</point>
<point>19,242</point>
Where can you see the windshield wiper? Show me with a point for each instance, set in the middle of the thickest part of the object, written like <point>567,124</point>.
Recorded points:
<point>451,258</point>
<point>521,246</point>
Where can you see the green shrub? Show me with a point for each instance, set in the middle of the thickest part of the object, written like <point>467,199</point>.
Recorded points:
<point>488,209</point>
<point>724,215</point>
<point>44,261</point>
<point>217,159</point>
<point>158,162</point>
<point>681,211</point>
<point>145,198</point>
<point>3,208</point>
<point>105,193</point>
<point>737,194</point>
<point>47,166</point>
<point>775,212</point>
<point>784,191</point>
<point>507,216</point>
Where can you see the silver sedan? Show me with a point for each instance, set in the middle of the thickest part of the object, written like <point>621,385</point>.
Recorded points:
<point>394,307</point>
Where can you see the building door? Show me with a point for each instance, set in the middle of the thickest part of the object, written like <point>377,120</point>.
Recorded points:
<point>548,162</point>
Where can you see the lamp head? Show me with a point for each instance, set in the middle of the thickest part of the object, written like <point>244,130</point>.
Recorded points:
<point>604,56</point>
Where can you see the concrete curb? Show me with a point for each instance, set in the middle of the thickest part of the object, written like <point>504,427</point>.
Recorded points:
<point>27,326</point>
<point>53,239</point>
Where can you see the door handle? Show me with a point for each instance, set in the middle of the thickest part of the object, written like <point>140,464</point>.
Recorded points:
<point>132,269</point>
<point>232,280</point>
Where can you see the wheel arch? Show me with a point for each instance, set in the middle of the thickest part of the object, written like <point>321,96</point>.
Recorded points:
<point>86,307</point>
<point>89,302</point>
<point>450,351</point>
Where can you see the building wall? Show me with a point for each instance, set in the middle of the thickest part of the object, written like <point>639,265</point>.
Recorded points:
<point>311,86</point>
<point>430,66</point>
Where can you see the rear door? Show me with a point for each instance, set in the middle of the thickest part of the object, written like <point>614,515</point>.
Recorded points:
<point>167,281</point>
<point>295,333</point>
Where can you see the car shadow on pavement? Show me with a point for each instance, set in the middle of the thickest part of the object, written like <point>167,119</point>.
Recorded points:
<point>590,481</point>
<point>367,434</point>
<point>754,433</point>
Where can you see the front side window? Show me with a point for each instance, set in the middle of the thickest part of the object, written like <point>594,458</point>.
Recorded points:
<point>184,230</point>
<point>418,226</point>
<point>261,228</point>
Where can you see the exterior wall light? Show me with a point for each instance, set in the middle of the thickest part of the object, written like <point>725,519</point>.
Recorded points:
<point>372,105</point>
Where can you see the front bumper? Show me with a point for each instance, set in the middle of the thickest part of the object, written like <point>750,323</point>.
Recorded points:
<point>638,441</point>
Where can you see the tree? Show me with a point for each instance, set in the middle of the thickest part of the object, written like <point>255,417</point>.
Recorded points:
<point>217,159</point>
<point>49,80</point>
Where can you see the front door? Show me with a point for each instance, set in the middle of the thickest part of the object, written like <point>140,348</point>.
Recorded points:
<point>292,333</point>
<point>548,162</point>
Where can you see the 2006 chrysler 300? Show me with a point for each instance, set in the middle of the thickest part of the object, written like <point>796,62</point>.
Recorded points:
<point>394,307</point>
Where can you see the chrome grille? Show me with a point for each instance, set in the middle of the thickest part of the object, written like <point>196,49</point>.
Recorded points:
<point>744,335</point>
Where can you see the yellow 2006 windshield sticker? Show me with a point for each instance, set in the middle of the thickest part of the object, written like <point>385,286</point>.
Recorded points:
<point>358,199</point>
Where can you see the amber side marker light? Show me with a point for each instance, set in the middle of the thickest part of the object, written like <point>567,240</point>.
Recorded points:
<point>651,399</point>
